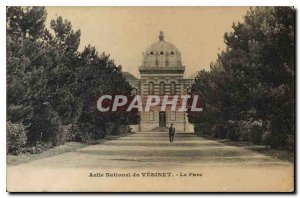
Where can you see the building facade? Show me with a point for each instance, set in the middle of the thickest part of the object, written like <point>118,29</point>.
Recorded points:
<point>162,73</point>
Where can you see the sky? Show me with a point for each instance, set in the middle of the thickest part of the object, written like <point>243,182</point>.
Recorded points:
<point>126,32</point>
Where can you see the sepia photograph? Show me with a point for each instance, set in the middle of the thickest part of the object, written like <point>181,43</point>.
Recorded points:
<point>150,99</point>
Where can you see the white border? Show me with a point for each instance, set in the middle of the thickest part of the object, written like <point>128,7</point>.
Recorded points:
<point>4,3</point>
<point>151,2</point>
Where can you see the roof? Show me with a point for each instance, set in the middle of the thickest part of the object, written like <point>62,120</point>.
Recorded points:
<point>133,81</point>
<point>129,76</point>
<point>162,46</point>
<point>161,55</point>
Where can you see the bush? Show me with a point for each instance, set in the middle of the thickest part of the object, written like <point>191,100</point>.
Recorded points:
<point>266,138</point>
<point>218,131</point>
<point>112,128</point>
<point>202,129</point>
<point>89,131</point>
<point>123,129</point>
<point>65,133</point>
<point>245,127</point>
<point>281,133</point>
<point>291,142</point>
<point>277,140</point>
<point>273,140</point>
<point>244,136</point>
<point>15,137</point>
<point>83,137</point>
<point>86,131</point>
<point>223,132</point>
<point>256,134</point>
<point>44,127</point>
<point>233,131</point>
<point>38,148</point>
<point>197,128</point>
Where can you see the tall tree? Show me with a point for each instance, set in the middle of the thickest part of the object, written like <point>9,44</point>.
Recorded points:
<point>62,79</point>
<point>97,76</point>
<point>258,71</point>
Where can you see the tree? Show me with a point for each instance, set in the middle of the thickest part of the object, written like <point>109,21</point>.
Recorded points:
<point>52,86</point>
<point>97,76</point>
<point>62,78</point>
<point>256,79</point>
<point>39,81</point>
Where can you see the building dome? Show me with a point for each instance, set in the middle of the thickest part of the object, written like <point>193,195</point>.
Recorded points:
<point>162,54</point>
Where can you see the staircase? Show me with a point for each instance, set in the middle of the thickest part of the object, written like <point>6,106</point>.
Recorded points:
<point>160,129</point>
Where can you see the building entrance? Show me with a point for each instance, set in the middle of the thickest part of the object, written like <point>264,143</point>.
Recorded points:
<point>162,119</point>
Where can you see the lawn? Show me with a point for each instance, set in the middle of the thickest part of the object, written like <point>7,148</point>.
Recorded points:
<point>12,160</point>
<point>274,153</point>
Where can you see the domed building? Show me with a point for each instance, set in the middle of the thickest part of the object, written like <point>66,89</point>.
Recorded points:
<point>162,73</point>
<point>162,54</point>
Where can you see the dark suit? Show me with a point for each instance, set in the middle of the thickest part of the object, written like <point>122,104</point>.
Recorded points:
<point>171,133</point>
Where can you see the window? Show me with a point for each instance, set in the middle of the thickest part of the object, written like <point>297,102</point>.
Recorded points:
<point>151,88</point>
<point>173,88</point>
<point>173,115</point>
<point>172,53</point>
<point>151,115</point>
<point>151,53</point>
<point>162,88</point>
<point>161,53</point>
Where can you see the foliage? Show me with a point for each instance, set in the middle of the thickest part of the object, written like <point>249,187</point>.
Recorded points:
<point>66,133</point>
<point>44,126</point>
<point>52,87</point>
<point>202,129</point>
<point>256,134</point>
<point>253,78</point>
<point>233,130</point>
<point>98,75</point>
<point>218,131</point>
<point>37,148</point>
<point>245,127</point>
<point>15,137</point>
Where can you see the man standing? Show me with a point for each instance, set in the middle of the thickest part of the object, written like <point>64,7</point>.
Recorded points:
<point>171,132</point>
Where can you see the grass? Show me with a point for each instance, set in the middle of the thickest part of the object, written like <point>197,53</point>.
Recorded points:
<point>12,160</point>
<point>285,155</point>
<point>275,153</point>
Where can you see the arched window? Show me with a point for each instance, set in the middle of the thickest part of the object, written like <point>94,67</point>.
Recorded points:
<point>151,53</point>
<point>161,53</point>
<point>172,53</point>
<point>151,88</point>
<point>173,88</point>
<point>162,88</point>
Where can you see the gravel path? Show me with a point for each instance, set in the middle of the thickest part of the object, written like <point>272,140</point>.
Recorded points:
<point>146,161</point>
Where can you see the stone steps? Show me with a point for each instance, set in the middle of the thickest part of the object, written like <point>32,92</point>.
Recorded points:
<point>160,129</point>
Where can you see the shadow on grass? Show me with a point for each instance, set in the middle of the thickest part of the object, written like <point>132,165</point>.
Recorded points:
<point>285,155</point>
<point>12,160</point>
